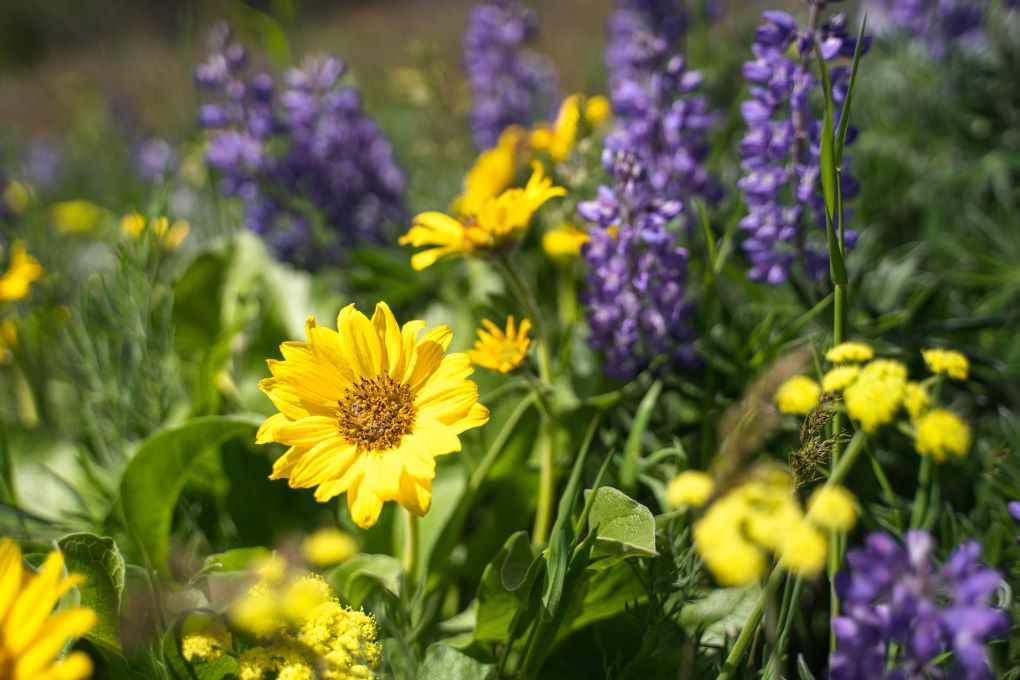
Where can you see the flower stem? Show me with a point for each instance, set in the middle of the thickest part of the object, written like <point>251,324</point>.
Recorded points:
<point>531,309</point>
<point>546,484</point>
<point>921,495</point>
<point>410,547</point>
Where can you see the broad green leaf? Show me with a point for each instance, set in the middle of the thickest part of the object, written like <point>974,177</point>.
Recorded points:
<point>446,663</point>
<point>501,592</point>
<point>359,576</point>
<point>622,525</point>
<point>155,476</point>
<point>99,560</point>
<point>237,559</point>
<point>720,614</point>
<point>608,593</point>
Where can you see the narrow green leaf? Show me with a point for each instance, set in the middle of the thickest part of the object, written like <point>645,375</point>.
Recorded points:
<point>632,447</point>
<point>844,116</point>
<point>98,559</point>
<point>828,158</point>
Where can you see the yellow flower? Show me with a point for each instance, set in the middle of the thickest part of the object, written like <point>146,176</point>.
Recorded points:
<point>22,271</point>
<point>732,558</point>
<point>17,197</point>
<point>691,487</point>
<point>498,350</point>
<point>798,395</point>
<point>832,507</point>
<point>75,216</point>
<point>492,172</point>
<point>169,236</point>
<point>329,546</point>
<point>8,339</point>
<point>258,611</point>
<point>343,638</point>
<point>803,550</point>
<point>367,408</point>
<point>839,377</point>
<point>559,138</point>
<point>940,433</point>
<point>495,224</point>
<point>947,362</point>
<point>597,110</point>
<point>875,397</point>
<point>916,399</point>
<point>850,353</point>
<point>564,242</point>
<point>32,635</point>
<point>204,638</point>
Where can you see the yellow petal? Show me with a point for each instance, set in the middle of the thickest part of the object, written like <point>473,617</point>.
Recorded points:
<point>360,344</point>
<point>11,575</point>
<point>41,651</point>
<point>364,505</point>
<point>388,331</point>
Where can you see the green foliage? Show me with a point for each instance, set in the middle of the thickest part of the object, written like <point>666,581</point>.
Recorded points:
<point>98,559</point>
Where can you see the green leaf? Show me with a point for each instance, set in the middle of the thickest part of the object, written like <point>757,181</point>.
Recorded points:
<point>155,476</point>
<point>721,614</point>
<point>844,116</point>
<point>623,526</point>
<point>99,560</point>
<point>803,672</point>
<point>502,591</point>
<point>446,663</point>
<point>238,559</point>
<point>360,576</point>
<point>608,593</point>
<point>632,447</point>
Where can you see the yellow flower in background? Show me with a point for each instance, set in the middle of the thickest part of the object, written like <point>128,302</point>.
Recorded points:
<point>850,353</point>
<point>832,507</point>
<point>492,173</point>
<point>499,350</point>
<point>947,362</point>
<point>802,550</point>
<point>691,487</point>
<point>203,638</point>
<point>916,399</point>
<point>75,217</point>
<point>558,139</point>
<point>17,197</point>
<point>344,639</point>
<point>329,546</point>
<point>8,339</point>
<point>169,236</point>
<point>32,635</point>
<point>564,242</point>
<point>798,395</point>
<point>366,409</point>
<point>839,377</point>
<point>597,110</point>
<point>22,271</point>
<point>496,224</point>
<point>940,433</point>
<point>875,397</point>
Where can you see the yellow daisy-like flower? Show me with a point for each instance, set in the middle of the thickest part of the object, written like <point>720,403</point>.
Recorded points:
<point>832,507</point>
<point>916,399</point>
<point>691,487</point>
<point>839,377</point>
<point>875,397</point>
<point>493,225</point>
<point>22,271</point>
<point>366,409</point>
<point>597,111</point>
<point>329,546</point>
<point>169,236</point>
<point>498,350</point>
<point>798,395</point>
<point>31,634</point>
<point>941,433</point>
<point>947,362</point>
<point>492,172</point>
<point>564,242</point>
<point>850,353</point>
<point>558,139</point>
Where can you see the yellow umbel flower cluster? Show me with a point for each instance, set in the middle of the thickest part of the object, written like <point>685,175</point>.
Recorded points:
<point>762,516</point>
<point>947,362</point>
<point>876,395</point>
<point>940,433</point>
<point>32,635</point>
<point>850,353</point>
<point>22,271</point>
<point>500,350</point>
<point>493,225</point>
<point>304,633</point>
<point>691,488</point>
<point>798,395</point>
<point>365,410</point>
<point>204,638</point>
<point>329,546</point>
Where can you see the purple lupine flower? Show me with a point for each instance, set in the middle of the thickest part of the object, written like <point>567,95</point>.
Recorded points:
<point>42,163</point>
<point>895,600</point>
<point>940,24</point>
<point>781,149</point>
<point>155,159</point>
<point>508,84</point>
<point>315,173</point>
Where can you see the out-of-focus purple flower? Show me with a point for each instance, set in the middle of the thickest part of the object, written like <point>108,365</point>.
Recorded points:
<point>315,172</point>
<point>636,303</point>
<point>895,600</point>
<point>155,159</point>
<point>781,149</point>
<point>41,163</point>
<point>941,24</point>
<point>509,85</point>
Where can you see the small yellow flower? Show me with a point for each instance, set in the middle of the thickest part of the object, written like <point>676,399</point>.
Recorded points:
<point>74,217</point>
<point>492,172</point>
<point>691,487</point>
<point>8,339</point>
<point>839,377</point>
<point>32,635</point>
<point>941,433</point>
<point>495,224</point>
<point>329,546</point>
<point>204,638</point>
<point>558,139</point>
<point>947,362</point>
<point>875,397</point>
<point>367,408</point>
<point>17,197</point>
<point>736,562</point>
<point>597,110</point>
<point>169,236</point>
<point>564,242</point>
<point>258,611</point>
<point>832,507</point>
<point>916,399</point>
<point>798,395</point>
<point>850,353</point>
<point>803,550</point>
<point>498,350</point>
<point>22,271</point>
<point>343,638</point>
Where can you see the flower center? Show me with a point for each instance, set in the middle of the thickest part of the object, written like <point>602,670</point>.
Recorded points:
<point>375,413</point>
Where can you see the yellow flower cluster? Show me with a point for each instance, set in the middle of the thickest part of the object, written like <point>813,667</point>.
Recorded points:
<point>691,488</point>
<point>499,350</point>
<point>203,638</point>
<point>940,433</point>
<point>850,353</point>
<point>798,395</point>
<point>947,362</point>
<point>22,271</point>
<point>762,516</point>
<point>304,632</point>
<point>876,395</point>
<point>329,546</point>
<point>559,138</point>
<point>563,243</point>
<point>167,235</point>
